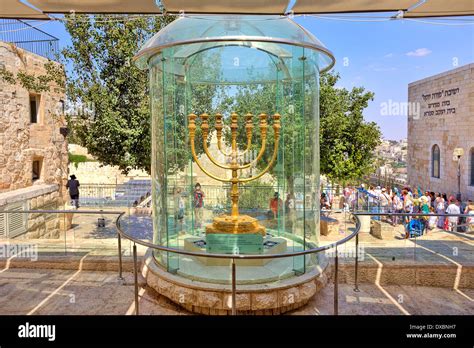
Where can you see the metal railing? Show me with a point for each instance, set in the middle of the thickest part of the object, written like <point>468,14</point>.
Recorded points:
<point>233,257</point>
<point>118,195</point>
<point>23,35</point>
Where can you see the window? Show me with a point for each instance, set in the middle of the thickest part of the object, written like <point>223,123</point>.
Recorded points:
<point>62,108</point>
<point>435,161</point>
<point>471,159</point>
<point>34,108</point>
<point>36,170</point>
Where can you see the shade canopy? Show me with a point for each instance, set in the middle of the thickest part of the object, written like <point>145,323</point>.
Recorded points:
<point>97,6</point>
<point>15,9</point>
<point>442,8</point>
<point>226,6</point>
<point>411,8</point>
<point>344,6</point>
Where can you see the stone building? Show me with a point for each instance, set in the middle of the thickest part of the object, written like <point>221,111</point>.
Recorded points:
<point>441,119</point>
<point>33,149</point>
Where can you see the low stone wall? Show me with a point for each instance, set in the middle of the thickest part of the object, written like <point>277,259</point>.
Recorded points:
<point>434,275</point>
<point>34,225</point>
<point>97,173</point>
<point>328,225</point>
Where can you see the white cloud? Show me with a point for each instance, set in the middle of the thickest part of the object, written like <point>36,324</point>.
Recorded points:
<point>419,52</point>
<point>390,55</point>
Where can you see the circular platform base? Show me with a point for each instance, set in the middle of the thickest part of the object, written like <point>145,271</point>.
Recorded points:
<point>271,298</point>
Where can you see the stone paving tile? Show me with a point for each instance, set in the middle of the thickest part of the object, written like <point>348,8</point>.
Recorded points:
<point>85,293</point>
<point>371,300</point>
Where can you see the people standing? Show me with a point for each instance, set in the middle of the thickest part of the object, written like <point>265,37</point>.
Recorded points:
<point>385,200</point>
<point>276,204</point>
<point>470,211</point>
<point>432,220</point>
<point>453,209</point>
<point>440,209</point>
<point>397,206</point>
<point>198,205</point>
<point>73,186</point>
<point>407,205</point>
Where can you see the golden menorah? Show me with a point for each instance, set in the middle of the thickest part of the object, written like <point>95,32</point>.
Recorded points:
<point>235,223</point>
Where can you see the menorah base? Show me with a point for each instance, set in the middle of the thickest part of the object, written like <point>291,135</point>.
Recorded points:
<point>241,224</point>
<point>234,235</point>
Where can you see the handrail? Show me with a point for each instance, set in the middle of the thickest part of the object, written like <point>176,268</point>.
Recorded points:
<point>237,256</point>
<point>135,241</point>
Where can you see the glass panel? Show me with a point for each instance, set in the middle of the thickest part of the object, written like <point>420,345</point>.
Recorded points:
<point>251,31</point>
<point>277,210</point>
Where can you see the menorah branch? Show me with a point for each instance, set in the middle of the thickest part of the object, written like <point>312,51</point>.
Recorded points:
<point>192,134</point>
<point>235,180</point>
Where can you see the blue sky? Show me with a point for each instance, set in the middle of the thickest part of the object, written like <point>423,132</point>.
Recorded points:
<point>384,57</point>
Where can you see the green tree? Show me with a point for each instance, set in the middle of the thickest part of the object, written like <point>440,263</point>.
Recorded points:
<point>347,140</point>
<point>104,76</point>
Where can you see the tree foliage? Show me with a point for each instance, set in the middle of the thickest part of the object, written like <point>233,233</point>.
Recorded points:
<point>347,140</point>
<point>104,76</point>
<point>54,76</point>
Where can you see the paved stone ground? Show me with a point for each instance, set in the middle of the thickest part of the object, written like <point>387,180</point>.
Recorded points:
<point>435,247</point>
<point>68,292</point>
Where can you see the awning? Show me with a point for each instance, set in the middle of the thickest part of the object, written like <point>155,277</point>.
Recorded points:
<point>412,8</point>
<point>97,6</point>
<point>15,9</point>
<point>226,6</point>
<point>442,8</point>
<point>345,6</point>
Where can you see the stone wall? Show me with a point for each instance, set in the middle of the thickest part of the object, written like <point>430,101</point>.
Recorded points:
<point>21,141</point>
<point>93,172</point>
<point>31,225</point>
<point>446,118</point>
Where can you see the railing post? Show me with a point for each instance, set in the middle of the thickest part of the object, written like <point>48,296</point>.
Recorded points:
<point>414,247</point>
<point>356,287</point>
<point>234,300</point>
<point>120,255</point>
<point>336,289</point>
<point>135,271</point>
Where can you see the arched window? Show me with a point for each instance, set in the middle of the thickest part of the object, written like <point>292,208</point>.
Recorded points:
<point>435,161</point>
<point>471,159</point>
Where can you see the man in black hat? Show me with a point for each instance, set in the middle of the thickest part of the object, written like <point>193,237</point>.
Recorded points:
<point>73,186</point>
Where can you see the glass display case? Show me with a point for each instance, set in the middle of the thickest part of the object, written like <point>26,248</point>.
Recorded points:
<point>235,143</point>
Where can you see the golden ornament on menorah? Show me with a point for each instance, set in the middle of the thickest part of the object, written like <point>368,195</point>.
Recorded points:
<point>235,223</point>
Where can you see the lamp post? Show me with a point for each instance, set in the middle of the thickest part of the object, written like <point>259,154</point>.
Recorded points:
<point>457,154</point>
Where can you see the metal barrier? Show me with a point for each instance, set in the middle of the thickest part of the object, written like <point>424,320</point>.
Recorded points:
<point>24,35</point>
<point>233,257</point>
